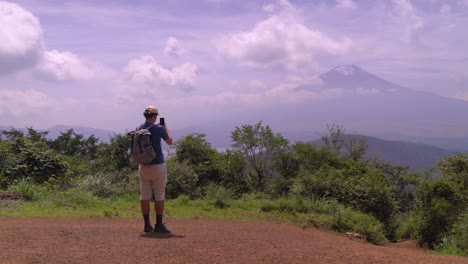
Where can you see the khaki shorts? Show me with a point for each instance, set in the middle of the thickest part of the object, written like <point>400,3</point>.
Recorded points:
<point>153,177</point>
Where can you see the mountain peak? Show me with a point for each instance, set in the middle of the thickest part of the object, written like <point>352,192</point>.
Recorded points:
<point>347,70</point>
<point>350,77</point>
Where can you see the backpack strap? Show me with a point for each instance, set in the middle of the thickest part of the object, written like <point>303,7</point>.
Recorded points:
<point>140,127</point>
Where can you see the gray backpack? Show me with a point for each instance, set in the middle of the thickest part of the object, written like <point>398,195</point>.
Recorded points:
<point>141,149</point>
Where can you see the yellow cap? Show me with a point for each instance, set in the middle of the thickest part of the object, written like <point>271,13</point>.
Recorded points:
<point>151,110</point>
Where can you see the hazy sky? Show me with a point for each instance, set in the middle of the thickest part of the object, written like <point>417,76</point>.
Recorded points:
<point>99,63</point>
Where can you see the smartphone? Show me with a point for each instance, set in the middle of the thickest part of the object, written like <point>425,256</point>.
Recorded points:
<point>161,121</point>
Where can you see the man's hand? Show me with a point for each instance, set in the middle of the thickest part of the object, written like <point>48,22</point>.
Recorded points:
<point>169,139</point>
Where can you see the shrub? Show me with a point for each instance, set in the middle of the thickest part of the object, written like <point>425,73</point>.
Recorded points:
<point>343,218</point>
<point>98,184</point>
<point>182,200</point>
<point>218,195</point>
<point>182,179</point>
<point>346,219</point>
<point>407,227</point>
<point>456,242</point>
<point>26,188</point>
<point>436,211</point>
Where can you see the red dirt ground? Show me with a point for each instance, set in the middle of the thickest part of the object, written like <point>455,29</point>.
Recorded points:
<point>100,240</point>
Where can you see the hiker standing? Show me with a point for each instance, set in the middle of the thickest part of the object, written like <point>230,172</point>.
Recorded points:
<point>153,176</point>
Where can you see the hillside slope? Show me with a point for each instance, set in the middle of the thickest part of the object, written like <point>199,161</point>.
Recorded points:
<point>399,153</point>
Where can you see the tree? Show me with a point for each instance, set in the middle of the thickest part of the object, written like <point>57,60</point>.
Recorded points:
<point>354,147</point>
<point>13,134</point>
<point>68,143</point>
<point>196,151</point>
<point>455,170</point>
<point>258,144</point>
<point>115,155</point>
<point>234,170</point>
<point>438,207</point>
<point>33,162</point>
<point>37,136</point>
<point>334,140</point>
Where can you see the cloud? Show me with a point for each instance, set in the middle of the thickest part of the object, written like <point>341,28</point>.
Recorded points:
<point>365,92</point>
<point>463,3</point>
<point>445,9</point>
<point>269,7</point>
<point>409,22</point>
<point>21,44</point>
<point>145,77</point>
<point>281,41</point>
<point>461,96</point>
<point>15,103</point>
<point>62,66</point>
<point>257,85</point>
<point>173,48</point>
<point>346,4</point>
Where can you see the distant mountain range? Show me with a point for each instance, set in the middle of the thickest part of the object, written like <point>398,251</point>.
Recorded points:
<point>360,101</point>
<point>398,153</point>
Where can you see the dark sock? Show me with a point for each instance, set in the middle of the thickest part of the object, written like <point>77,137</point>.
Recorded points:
<point>159,219</point>
<point>147,219</point>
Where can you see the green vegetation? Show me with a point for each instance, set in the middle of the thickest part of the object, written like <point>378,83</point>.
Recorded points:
<point>261,177</point>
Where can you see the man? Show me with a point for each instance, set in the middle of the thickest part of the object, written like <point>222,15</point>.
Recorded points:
<point>154,176</point>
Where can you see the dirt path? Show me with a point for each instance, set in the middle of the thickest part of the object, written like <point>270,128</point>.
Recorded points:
<point>90,240</point>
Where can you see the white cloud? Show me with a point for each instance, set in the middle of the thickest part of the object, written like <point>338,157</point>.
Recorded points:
<point>15,103</point>
<point>269,7</point>
<point>281,41</point>
<point>445,9</point>
<point>257,85</point>
<point>410,23</point>
<point>461,96</point>
<point>463,3</point>
<point>62,66</point>
<point>21,37</point>
<point>173,48</point>
<point>346,4</point>
<point>145,77</point>
<point>365,92</point>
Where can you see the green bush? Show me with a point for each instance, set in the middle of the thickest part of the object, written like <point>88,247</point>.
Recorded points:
<point>30,159</point>
<point>98,184</point>
<point>436,211</point>
<point>406,227</point>
<point>456,242</point>
<point>26,188</point>
<point>346,219</point>
<point>218,195</point>
<point>182,200</point>
<point>182,179</point>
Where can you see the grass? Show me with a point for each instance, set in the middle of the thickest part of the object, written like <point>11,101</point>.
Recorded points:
<point>304,213</point>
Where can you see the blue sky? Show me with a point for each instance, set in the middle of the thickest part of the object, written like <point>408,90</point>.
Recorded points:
<point>99,63</point>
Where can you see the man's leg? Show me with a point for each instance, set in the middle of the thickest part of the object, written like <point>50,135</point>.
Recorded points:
<point>145,206</point>
<point>159,197</point>
<point>145,190</point>
<point>159,208</point>
<point>145,211</point>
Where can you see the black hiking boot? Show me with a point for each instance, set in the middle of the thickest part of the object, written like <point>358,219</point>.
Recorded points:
<point>161,229</point>
<point>148,228</point>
